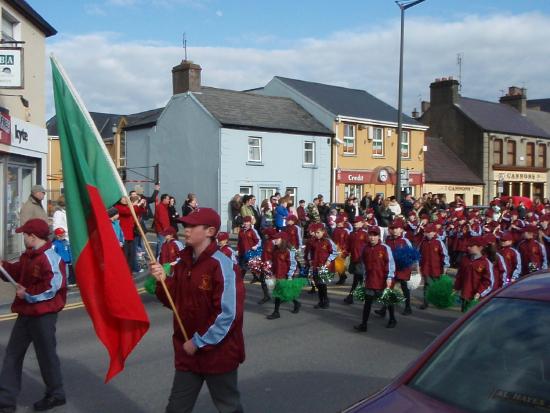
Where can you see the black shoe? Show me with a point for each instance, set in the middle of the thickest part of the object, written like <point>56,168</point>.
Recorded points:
<point>264,300</point>
<point>423,306</point>
<point>274,315</point>
<point>407,311</point>
<point>391,324</point>
<point>348,299</point>
<point>48,402</point>
<point>296,309</point>
<point>7,409</point>
<point>381,312</point>
<point>360,327</point>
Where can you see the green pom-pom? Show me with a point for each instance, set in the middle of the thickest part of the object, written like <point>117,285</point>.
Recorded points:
<point>150,285</point>
<point>167,269</point>
<point>440,292</point>
<point>359,294</point>
<point>390,297</point>
<point>288,290</point>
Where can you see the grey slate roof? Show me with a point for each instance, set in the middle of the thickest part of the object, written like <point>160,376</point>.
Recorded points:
<point>498,117</point>
<point>539,118</point>
<point>143,119</point>
<point>544,104</point>
<point>26,10</point>
<point>347,102</point>
<point>251,111</point>
<point>103,121</point>
<point>442,165</point>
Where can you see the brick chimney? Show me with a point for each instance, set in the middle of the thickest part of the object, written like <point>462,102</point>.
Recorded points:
<point>186,77</point>
<point>444,91</point>
<point>424,106</point>
<point>517,98</point>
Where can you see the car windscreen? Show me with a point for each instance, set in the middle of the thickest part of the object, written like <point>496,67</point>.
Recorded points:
<point>499,361</point>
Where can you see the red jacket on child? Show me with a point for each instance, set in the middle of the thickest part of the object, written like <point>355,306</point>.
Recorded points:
<point>400,242</point>
<point>210,299</point>
<point>533,252</point>
<point>356,244</point>
<point>512,259</point>
<point>474,276</point>
<point>283,263</point>
<point>294,235</point>
<point>433,257</point>
<point>324,250</point>
<point>42,273</point>
<point>170,251</point>
<point>340,236</point>
<point>379,266</point>
<point>248,238</point>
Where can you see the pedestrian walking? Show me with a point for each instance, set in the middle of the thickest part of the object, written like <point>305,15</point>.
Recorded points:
<point>33,207</point>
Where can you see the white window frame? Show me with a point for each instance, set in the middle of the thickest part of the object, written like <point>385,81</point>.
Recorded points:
<point>376,139</point>
<point>355,190</point>
<point>268,192</point>
<point>251,146</point>
<point>311,150</point>
<point>349,140</point>
<point>293,194</point>
<point>15,27</point>
<point>247,190</point>
<point>406,143</point>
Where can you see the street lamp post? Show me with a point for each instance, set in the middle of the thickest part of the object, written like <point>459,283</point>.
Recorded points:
<point>403,5</point>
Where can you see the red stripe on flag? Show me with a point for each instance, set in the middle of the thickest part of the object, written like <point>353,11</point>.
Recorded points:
<point>107,288</point>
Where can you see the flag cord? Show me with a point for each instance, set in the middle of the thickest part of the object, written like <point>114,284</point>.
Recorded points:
<point>153,260</point>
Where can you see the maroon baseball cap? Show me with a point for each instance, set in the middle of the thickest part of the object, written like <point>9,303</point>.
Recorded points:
<point>430,228</point>
<point>490,238</point>
<point>35,226</point>
<point>292,218</point>
<point>506,236</point>
<point>397,223</point>
<point>169,231</point>
<point>222,236</point>
<point>202,216</point>
<point>280,235</point>
<point>531,228</point>
<point>374,230</point>
<point>479,241</point>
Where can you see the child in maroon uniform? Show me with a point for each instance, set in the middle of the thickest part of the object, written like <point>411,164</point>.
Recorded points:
<point>223,239</point>
<point>474,278</point>
<point>533,253</point>
<point>500,271</point>
<point>283,267</point>
<point>511,256</point>
<point>340,237</point>
<point>267,256</point>
<point>249,240</point>
<point>171,247</point>
<point>433,259</point>
<point>293,231</point>
<point>356,243</point>
<point>396,240</point>
<point>412,227</point>
<point>324,254</point>
<point>379,274</point>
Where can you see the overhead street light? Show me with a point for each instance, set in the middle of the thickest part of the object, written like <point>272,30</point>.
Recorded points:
<point>403,5</point>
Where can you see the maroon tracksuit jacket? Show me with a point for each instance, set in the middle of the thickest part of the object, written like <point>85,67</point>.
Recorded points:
<point>379,265</point>
<point>340,237</point>
<point>248,238</point>
<point>400,242</point>
<point>433,257</point>
<point>474,276</point>
<point>356,244</point>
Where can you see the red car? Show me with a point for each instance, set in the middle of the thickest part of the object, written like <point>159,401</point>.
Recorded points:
<point>494,359</point>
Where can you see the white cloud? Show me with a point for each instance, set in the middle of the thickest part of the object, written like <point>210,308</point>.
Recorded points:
<point>219,13</point>
<point>499,51</point>
<point>94,9</point>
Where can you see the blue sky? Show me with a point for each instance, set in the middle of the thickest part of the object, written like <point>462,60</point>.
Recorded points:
<point>126,48</point>
<point>250,23</point>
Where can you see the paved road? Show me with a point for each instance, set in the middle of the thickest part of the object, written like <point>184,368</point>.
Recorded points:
<point>309,362</point>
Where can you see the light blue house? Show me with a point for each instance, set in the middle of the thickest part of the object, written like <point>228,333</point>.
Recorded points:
<point>217,143</point>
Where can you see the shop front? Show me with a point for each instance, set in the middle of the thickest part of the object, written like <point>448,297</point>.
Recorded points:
<point>471,194</point>
<point>353,183</point>
<point>23,155</point>
<point>531,184</point>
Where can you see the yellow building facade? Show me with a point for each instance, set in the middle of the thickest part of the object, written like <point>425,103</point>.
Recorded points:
<point>365,158</point>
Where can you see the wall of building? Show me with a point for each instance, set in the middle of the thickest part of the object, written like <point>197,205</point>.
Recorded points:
<point>137,155</point>
<point>281,167</point>
<point>470,193</point>
<point>34,60</point>
<point>185,143</point>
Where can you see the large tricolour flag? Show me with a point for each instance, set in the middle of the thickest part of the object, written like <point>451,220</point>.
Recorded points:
<point>91,184</point>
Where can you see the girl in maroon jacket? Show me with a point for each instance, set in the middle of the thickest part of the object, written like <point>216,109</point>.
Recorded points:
<point>324,254</point>
<point>474,278</point>
<point>379,274</point>
<point>294,232</point>
<point>512,258</point>
<point>434,258</point>
<point>396,240</point>
<point>500,271</point>
<point>340,237</point>
<point>283,267</point>
<point>533,253</point>
<point>356,243</point>
<point>249,240</point>
<point>171,247</point>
